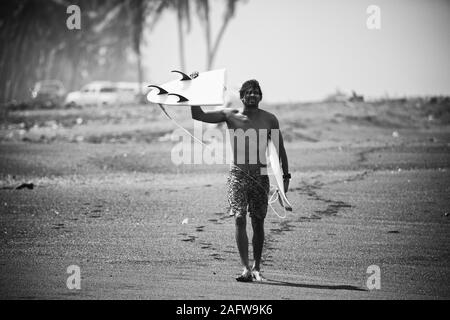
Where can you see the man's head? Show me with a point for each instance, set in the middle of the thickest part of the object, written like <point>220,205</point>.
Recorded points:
<point>250,93</point>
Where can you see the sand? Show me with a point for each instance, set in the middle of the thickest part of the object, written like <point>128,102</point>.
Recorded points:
<point>361,195</point>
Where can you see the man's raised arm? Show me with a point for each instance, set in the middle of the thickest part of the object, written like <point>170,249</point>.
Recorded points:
<point>209,116</point>
<point>217,116</point>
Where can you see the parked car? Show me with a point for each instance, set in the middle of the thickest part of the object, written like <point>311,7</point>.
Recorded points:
<point>104,93</point>
<point>94,94</point>
<point>48,93</point>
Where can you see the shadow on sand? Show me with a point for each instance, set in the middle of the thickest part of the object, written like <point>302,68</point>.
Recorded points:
<point>311,286</point>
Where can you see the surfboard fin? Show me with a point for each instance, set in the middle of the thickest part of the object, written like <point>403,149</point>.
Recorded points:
<point>161,90</point>
<point>180,97</point>
<point>184,75</point>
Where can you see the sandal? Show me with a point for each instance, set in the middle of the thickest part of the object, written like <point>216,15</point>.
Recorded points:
<point>257,276</point>
<point>245,277</point>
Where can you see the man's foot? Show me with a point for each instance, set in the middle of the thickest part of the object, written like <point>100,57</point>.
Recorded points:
<point>257,276</point>
<point>246,276</point>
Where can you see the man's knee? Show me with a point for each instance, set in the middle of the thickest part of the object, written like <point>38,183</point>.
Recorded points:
<point>257,224</point>
<point>240,220</point>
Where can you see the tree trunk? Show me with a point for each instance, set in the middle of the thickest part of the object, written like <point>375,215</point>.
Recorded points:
<point>207,35</point>
<point>213,52</point>
<point>140,72</point>
<point>137,36</point>
<point>180,37</point>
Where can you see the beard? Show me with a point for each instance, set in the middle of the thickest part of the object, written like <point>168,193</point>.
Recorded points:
<point>251,102</point>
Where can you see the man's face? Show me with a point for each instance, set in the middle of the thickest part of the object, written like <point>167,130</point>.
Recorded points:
<point>252,97</point>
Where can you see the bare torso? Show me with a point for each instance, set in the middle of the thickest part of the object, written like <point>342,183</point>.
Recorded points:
<point>249,139</point>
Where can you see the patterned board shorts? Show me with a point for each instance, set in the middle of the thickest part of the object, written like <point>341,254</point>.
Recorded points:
<point>248,191</point>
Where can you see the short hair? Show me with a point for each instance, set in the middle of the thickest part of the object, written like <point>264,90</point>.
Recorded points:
<point>249,84</point>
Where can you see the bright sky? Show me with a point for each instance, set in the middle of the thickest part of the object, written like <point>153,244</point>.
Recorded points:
<point>302,50</point>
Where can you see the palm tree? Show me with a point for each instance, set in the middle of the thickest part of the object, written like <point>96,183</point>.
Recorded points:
<point>140,12</point>
<point>183,16</point>
<point>137,8</point>
<point>37,44</point>
<point>204,13</point>
<point>183,11</point>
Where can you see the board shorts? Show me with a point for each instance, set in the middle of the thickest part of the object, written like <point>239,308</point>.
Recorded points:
<point>247,192</point>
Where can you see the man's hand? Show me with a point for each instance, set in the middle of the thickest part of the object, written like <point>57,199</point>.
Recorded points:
<point>234,114</point>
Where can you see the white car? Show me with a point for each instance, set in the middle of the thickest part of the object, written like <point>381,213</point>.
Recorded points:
<point>98,93</point>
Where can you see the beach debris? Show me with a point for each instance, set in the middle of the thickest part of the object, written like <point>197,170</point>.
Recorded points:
<point>79,121</point>
<point>356,98</point>
<point>189,239</point>
<point>185,221</point>
<point>395,134</point>
<point>447,214</point>
<point>25,185</point>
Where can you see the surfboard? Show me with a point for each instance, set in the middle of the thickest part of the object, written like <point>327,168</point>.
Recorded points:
<point>207,89</point>
<point>277,173</point>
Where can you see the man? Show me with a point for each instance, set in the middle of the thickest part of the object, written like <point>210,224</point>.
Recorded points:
<point>248,186</point>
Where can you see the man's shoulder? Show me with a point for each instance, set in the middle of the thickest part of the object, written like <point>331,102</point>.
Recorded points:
<point>268,115</point>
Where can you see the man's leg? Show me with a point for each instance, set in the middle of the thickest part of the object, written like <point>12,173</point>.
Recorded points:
<point>258,199</point>
<point>237,197</point>
<point>257,241</point>
<point>242,240</point>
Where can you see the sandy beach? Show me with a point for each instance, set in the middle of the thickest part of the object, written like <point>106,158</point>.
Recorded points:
<point>371,185</point>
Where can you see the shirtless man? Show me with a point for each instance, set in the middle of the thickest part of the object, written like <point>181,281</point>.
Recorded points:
<point>248,183</point>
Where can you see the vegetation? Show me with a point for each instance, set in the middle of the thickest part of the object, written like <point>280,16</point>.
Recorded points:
<point>37,44</point>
